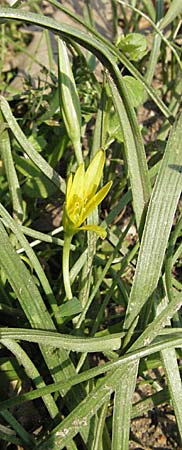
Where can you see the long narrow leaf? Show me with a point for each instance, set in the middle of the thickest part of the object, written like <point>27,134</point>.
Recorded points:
<point>14,187</point>
<point>28,147</point>
<point>136,159</point>
<point>31,255</point>
<point>18,428</point>
<point>31,371</point>
<point>158,224</point>
<point>174,10</point>
<point>172,373</point>
<point>123,407</point>
<point>74,343</point>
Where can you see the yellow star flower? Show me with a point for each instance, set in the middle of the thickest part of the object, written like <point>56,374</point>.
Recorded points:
<point>82,198</point>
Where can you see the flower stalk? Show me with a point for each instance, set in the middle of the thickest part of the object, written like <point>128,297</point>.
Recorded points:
<point>66,277</point>
<point>81,200</point>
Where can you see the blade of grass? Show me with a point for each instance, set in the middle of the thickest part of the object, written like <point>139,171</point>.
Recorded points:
<point>16,229</point>
<point>158,224</point>
<point>173,377</point>
<point>31,372</point>
<point>174,10</point>
<point>123,407</point>
<point>26,438</point>
<point>8,435</point>
<point>12,178</point>
<point>101,278</point>
<point>71,343</point>
<point>136,159</point>
<point>28,147</point>
<point>150,8</point>
<point>100,432</point>
<point>80,415</point>
<point>154,54</point>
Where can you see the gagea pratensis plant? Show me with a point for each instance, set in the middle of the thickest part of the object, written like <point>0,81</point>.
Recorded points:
<point>81,200</point>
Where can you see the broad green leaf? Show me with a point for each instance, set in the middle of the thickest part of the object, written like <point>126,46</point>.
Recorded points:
<point>134,45</point>
<point>135,89</point>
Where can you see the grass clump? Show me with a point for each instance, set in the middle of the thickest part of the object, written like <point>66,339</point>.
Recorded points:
<point>91,329</point>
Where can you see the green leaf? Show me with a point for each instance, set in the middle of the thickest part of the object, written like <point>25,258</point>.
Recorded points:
<point>123,407</point>
<point>104,50</point>
<point>27,146</point>
<point>171,340</point>
<point>134,148</point>
<point>36,184</point>
<point>134,45</point>
<point>59,340</point>
<point>172,373</point>
<point>14,186</point>
<point>26,438</point>
<point>31,372</point>
<point>69,100</point>
<point>174,10</point>
<point>160,215</point>
<point>135,89</point>
<point>70,308</point>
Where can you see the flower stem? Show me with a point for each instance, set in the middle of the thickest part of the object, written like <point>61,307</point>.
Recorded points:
<point>65,264</point>
<point>78,151</point>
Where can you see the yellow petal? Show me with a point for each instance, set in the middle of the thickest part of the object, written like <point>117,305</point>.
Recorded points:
<point>76,190</point>
<point>96,228</point>
<point>69,185</point>
<point>93,174</point>
<point>95,200</point>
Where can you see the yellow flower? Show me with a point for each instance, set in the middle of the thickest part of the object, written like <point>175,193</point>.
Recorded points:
<point>81,196</point>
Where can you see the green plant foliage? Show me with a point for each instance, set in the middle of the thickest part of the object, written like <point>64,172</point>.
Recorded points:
<point>136,90</point>
<point>134,45</point>
<point>90,226</point>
